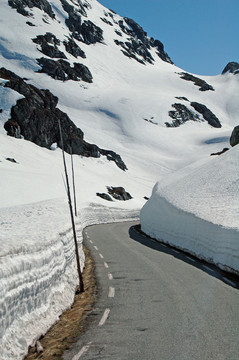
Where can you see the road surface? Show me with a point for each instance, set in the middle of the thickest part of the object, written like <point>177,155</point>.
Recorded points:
<point>156,303</point>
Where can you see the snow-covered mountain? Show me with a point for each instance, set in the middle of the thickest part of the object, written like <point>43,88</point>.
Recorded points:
<point>130,116</point>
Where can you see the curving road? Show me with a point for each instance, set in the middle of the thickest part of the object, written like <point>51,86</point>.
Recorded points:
<point>156,303</point>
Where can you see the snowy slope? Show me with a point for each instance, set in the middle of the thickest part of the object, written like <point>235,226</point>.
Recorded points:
<point>124,109</point>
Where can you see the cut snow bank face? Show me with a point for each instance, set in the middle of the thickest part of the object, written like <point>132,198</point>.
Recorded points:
<point>197,210</point>
<point>38,273</point>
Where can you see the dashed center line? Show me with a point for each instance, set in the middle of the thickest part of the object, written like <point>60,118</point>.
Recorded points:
<point>208,268</point>
<point>111,292</point>
<point>110,276</point>
<point>104,317</point>
<point>96,248</point>
<point>229,281</point>
<point>189,258</point>
<point>91,241</point>
<point>82,352</point>
<point>102,257</point>
<point>106,265</point>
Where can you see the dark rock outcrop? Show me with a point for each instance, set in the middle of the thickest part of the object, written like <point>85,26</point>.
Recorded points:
<point>180,115</point>
<point>48,43</point>
<point>234,139</point>
<point>232,67</point>
<point>30,23</point>
<point>73,49</point>
<point>21,5</point>
<point>138,44</point>
<point>86,31</point>
<point>105,196</point>
<point>70,9</point>
<point>36,118</point>
<point>12,160</point>
<point>91,33</point>
<point>207,114</point>
<point>106,21</point>
<point>134,48</point>
<point>62,70</point>
<point>220,152</point>
<point>203,85</point>
<point>119,193</point>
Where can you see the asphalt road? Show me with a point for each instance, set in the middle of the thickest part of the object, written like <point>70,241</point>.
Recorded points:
<point>156,303</point>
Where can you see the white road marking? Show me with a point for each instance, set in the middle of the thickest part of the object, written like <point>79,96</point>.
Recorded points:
<point>83,351</point>
<point>110,276</point>
<point>106,265</point>
<point>163,245</point>
<point>229,281</point>
<point>189,258</point>
<point>111,292</point>
<point>102,257</point>
<point>178,252</point>
<point>91,241</point>
<point>104,317</point>
<point>208,268</point>
<point>96,248</point>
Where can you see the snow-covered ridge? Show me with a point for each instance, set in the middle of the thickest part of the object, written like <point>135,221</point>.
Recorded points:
<point>38,273</point>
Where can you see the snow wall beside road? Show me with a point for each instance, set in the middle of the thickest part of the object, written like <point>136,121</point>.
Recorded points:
<point>38,273</point>
<point>214,243</point>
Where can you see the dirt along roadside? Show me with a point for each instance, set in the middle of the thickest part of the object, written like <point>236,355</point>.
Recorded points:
<point>71,322</point>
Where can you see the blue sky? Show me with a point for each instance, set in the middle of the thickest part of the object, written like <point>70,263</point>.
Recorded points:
<point>200,36</point>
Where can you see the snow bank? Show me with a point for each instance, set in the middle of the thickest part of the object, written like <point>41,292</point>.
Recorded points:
<point>197,210</point>
<point>38,273</point>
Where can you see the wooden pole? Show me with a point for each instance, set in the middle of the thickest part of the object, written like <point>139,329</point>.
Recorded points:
<point>81,284</point>
<point>73,181</point>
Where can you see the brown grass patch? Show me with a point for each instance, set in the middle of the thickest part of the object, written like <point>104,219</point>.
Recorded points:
<point>71,322</point>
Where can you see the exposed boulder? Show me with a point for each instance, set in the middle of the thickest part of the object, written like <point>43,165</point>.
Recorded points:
<point>118,32</point>
<point>73,49</point>
<point>30,23</point>
<point>207,114</point>
<point>105,196</point>
<point>234,139</point>
<point>48,43</point>
<point>36,118</point>
<point>21,5</point>
<point>181,98</point>
<point>12,160</point>
<point>220,152</point>
<point>119,193</point>
<point>232,67</point>
<point>203,85</point>
<point>62,70</point>
<point>112,156</point>
<point>13,129</point>
<point>180,115</point>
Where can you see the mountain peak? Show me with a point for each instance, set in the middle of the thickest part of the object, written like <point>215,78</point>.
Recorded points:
<point>232,67</point>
